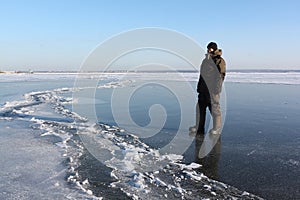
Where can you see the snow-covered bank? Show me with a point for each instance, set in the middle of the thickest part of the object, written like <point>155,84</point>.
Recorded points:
<point>277,77</point>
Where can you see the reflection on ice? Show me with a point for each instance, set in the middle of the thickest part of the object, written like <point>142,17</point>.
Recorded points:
<point>210,162</point>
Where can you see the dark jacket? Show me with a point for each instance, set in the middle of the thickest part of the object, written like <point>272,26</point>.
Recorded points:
<point>212,73</point>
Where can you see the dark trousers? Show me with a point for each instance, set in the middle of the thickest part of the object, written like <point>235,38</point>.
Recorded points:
<point>204,102</point>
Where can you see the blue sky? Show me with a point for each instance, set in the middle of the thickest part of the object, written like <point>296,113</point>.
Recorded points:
<point>59,34</point>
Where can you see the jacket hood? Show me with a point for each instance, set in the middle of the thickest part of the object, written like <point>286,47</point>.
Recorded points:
<point>218,52</point>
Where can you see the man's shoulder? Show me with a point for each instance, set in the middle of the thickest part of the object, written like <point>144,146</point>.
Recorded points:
<point>221,59</point>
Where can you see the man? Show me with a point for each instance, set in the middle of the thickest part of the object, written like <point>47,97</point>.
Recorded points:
<point>212,74</point>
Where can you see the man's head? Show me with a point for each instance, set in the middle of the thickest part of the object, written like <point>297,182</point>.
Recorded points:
<point>212,47</point>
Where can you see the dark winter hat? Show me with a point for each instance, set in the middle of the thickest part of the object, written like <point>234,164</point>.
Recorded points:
<point>212,45</point>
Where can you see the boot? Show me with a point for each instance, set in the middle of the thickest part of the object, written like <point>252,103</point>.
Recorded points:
<point>217,125</point>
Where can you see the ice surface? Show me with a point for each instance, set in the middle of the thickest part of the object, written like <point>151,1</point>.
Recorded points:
<point>138,170</point>
<point>31,168</point>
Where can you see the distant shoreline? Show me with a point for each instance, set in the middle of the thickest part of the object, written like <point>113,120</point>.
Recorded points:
<point>157,71</point>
